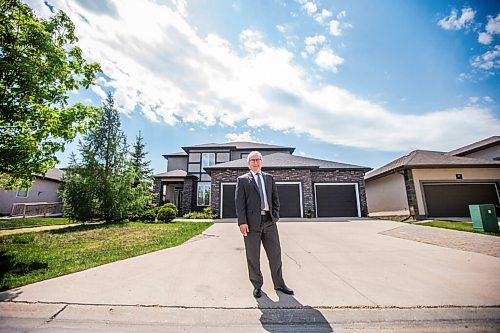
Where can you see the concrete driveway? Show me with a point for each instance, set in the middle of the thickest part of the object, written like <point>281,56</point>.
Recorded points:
<point>366,264</point>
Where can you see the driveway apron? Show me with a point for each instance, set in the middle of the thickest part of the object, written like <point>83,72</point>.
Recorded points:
<point>329,265</point>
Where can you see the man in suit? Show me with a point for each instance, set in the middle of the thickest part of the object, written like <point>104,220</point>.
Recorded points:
<point>257,208</point>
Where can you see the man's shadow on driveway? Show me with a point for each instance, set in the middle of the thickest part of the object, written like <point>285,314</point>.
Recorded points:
<point>289,315</point>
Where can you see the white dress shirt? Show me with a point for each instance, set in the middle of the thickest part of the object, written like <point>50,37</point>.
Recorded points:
<point>266,205</point>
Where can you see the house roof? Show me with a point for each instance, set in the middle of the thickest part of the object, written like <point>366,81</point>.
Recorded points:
<point>173,174</point>
<point>476,146</point>
<point>429,159</point>
<point>53,174</point>
<point>284,160</point>
<point>178,154</point>
<point>240,145</point>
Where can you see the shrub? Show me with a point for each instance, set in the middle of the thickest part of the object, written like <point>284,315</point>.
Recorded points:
<point>205,214</point>
<point>167,212</point>
<point>149,215</point>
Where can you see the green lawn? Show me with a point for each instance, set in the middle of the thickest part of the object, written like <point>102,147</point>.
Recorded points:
<point>31,257</point>
<point>462,226</point>
<point>31,222</point>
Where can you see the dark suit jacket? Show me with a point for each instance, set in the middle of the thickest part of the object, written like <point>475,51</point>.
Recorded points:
<point>248,199</point>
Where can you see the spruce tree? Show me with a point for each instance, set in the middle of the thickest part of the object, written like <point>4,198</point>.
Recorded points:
<point>142,177</point>
<point>104,168</point>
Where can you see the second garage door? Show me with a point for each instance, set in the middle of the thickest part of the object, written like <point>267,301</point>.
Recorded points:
<point>336,200</point>
<point>453,200</point>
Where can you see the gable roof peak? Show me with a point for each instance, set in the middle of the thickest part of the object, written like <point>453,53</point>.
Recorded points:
<point>476,146</point>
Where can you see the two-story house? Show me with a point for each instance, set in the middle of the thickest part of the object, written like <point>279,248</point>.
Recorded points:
<point>205,176</point>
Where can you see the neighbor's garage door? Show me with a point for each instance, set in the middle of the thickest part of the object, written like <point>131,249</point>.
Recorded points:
<point>289,194</point>
<point>290,203</point>
<point>453,200</point>
<point>336,200</point>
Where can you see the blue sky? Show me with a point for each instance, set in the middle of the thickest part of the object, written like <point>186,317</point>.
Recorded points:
<point>360,82</point>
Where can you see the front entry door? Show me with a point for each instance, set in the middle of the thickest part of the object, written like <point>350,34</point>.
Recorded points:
<point>178,198</point>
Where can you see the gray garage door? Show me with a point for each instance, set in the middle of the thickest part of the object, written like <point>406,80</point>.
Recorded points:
<point>453,200</point>
<point>289,195</point>
<point>336,200</point>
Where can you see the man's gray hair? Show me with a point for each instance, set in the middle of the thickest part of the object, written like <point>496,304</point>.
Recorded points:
<point>253,153</point>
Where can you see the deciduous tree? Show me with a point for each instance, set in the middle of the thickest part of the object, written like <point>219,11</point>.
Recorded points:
<point>39,65</point>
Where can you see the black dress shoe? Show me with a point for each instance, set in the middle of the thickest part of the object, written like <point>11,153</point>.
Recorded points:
<point>285,290</point>
<point>257,293</point>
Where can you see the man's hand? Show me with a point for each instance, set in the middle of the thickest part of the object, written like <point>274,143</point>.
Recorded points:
<point>244,229</point>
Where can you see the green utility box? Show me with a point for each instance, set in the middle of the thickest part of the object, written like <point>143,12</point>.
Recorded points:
<point>484,218</point>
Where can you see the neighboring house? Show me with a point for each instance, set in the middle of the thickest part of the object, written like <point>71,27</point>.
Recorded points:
<point>436,184</point>
<point>205,176</point>
<point>43,190</point>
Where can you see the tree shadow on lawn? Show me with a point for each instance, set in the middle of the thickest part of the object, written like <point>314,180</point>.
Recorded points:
<point>9,266</point>
<point>86,227</point>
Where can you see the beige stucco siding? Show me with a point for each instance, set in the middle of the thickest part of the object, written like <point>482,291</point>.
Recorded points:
<point>449,175</point>
<point>43,190</point>
<point>387,194</point>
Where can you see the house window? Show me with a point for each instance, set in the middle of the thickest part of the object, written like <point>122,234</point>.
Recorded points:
<point>207,159</point>
<point>222,157</point>
<point>203,194</point>
<point>194,168</point>
<point>194,157</point>
<point>244,155</point>
<point>22,193</point>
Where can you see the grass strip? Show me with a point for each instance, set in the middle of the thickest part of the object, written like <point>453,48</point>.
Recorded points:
<point>36,256</point>
<point>461,226</point>
<point>31,222</point>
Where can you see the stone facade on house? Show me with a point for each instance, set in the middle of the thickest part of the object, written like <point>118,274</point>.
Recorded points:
<point>209,168</point>
<point>426,184</point>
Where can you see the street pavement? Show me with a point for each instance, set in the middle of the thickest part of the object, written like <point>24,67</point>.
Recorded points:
<point>361,275</point>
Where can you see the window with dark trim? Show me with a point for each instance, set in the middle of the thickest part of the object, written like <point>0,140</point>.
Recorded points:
<point>207,159</point>
<point>203,197</point>
<point>22,193</point>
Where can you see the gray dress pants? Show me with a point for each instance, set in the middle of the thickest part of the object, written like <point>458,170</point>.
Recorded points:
<point>267,234</point>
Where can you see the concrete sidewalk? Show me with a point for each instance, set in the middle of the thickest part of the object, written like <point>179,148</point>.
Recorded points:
<point>342,273</point>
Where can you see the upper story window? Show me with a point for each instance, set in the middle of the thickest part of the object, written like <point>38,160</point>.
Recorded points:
<point>194,157</point>
<point>207,159</point>
<point>244,155</point>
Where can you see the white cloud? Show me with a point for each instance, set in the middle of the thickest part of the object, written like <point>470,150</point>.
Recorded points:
<point>492,28</point>
<point>474,100</point>
<point>312,42</point>
<point>310,7</point>
<point>322,16</point>
<point>280,28</point>
<point>488,99</point>
<point>335,28</point>
<point>318,39</point>
<point>239,137</point>
<point>489,60</point>
<point>341,15</point>
<point>453,22</point>
<point>328,60</point>
<point>484,38</point>
<point>159,65</point>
